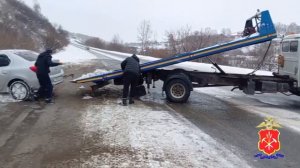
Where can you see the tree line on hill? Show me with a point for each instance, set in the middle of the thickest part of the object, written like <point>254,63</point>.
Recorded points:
<point>185,39</point>
<point>24,28</point>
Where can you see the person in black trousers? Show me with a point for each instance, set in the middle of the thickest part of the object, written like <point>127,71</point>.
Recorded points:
<point>131,74</point>
<point>43,64</point>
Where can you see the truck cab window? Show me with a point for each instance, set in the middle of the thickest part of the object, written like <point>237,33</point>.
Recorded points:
<point>286,46</point>
<point>4,61</point>
<point>294,46</point>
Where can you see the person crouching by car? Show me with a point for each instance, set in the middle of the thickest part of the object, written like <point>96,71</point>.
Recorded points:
<point>43,64</point>
<point>131,74</point>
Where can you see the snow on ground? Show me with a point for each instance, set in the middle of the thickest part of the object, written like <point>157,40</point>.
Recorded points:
<point>87,97</point>
<point>113,57</point>
<point>95,73</point>
<point>72,54</point>
<point>285,117</point>
<point>219,92</point>
<point>6,98</point>
<point>138,136</point>
<point>279,114</point>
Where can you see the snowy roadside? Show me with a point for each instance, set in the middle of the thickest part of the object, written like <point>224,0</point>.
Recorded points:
<point>287,118</point>
<point>138,136</point>
<point>74,55</point>
<point>6,98</point>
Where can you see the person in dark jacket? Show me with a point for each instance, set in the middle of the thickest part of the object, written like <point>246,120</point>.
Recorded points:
<point>131,74</point>
<point>43,64</point>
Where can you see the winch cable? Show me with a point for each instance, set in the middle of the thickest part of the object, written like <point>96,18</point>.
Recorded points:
<point>262,61</point>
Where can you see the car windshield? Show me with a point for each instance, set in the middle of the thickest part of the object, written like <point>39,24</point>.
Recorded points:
<point>27,55</point>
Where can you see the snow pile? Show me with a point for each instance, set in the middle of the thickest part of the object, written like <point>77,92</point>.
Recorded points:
<point>113,57</point>
<point>202,67</point>
<point>72,54</point>
<point>6,98</point>
<point>138,136</point>
<point>87,97</point>
<point>92,74</point>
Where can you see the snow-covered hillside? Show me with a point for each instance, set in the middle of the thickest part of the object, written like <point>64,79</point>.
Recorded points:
<point>22,27</point>
<point>72,54</point>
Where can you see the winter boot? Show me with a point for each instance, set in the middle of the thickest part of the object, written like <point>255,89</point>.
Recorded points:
<point>36,97</point>
<point>131,100</point>
<point>124,102</point>
<point>49,101</point>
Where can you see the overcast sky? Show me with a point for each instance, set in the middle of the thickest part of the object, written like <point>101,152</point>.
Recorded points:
<point>105,18</point>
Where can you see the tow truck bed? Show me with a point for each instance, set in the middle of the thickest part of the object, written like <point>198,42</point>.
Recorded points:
<point>265,31</point>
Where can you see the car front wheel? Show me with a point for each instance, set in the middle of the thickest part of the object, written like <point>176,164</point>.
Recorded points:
<point>19,90</point>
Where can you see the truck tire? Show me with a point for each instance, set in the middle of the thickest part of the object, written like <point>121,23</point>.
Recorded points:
<point>177,91</point>
<point>19,90</point>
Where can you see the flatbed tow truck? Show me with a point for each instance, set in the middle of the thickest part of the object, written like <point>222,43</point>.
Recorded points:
<point>178,83</point>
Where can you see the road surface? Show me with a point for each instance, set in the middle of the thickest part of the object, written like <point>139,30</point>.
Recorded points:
<point>216,128</point>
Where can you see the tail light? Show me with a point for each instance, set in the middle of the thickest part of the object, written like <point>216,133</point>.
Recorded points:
<point>33,68</point>
<point>281,61</point>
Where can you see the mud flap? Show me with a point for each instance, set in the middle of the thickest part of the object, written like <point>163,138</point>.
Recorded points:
<point>249,89</point>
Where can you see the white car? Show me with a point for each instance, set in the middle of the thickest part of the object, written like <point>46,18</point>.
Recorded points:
<point>17,73</point>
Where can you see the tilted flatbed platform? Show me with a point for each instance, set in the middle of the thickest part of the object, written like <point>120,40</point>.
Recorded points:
<point>264,31</point>
<point>178,83</point>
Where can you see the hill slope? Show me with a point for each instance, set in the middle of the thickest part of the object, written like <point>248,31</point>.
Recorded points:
<point>21,27</point>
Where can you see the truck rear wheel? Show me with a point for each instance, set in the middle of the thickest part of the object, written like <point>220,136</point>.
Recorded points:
<point>177,91</point>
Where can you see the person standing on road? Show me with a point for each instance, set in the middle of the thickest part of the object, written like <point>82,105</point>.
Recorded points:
<point>43,64</point>
<point>131,74</point>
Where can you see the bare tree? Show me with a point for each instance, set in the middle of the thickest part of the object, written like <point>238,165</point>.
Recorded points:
<point>144,35</point>
<point>172,42</point>
<point>116,39</point>
<point>178,40</point>
<point>283,29</point>
<point>185,40</point>
<point>116,43</point>
<point>36,7</point>
<point>96,42</point>
<point>226,31</point>
<point>293,28</point>
<point>259,51</point>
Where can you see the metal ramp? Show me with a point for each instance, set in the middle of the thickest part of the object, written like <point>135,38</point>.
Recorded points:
<point>263,31</point>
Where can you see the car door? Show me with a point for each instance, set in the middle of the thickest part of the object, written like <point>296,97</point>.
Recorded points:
<point>4,72</point>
